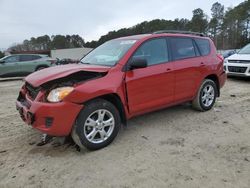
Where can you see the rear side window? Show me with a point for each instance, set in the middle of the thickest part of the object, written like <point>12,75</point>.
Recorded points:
<point>203,45</point>
<point>154,51</point>
<point>182,48</point>
<point>26,58</point>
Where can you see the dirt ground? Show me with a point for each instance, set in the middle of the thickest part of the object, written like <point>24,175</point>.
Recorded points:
<point>175,147</point>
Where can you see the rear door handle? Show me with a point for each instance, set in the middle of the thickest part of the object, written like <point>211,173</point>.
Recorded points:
<point>168,70</point>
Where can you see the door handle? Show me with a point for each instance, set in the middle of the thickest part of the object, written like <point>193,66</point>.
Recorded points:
<point>168,69</point>
<point>202,64</point>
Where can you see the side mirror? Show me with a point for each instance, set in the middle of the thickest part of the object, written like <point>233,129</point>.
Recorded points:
<point>2,61</point>
<point>137,63</point>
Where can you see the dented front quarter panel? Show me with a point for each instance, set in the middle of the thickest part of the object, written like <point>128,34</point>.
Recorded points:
<point>112,83</point>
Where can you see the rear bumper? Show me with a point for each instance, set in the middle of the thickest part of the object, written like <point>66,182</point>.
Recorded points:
<point>55,119</point>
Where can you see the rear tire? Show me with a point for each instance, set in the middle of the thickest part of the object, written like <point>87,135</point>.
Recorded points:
<point>97,125</point>
<point>206,96</point>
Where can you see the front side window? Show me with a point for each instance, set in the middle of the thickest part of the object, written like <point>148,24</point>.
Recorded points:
<point>109,53</point>
<point>11,59</point>
<point>154,51</point>
<point>182,48</point>
<point>203,45</point>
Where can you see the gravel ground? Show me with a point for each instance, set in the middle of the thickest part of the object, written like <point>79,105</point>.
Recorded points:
<point>175,147</point>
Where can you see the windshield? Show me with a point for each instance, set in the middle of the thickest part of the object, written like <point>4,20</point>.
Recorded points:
<point>109,53</point>
<point>245,50</point>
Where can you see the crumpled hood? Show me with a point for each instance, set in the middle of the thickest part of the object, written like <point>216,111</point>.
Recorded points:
<point>45,75</point>
<point>239,57</point>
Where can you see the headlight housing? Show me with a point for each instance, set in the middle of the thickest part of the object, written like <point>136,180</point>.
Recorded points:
<point>58,94</point>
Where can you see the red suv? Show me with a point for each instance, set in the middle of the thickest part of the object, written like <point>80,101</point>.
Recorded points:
<point>120,79</point>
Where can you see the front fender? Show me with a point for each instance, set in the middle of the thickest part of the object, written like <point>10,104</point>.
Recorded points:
<point>110,84</point>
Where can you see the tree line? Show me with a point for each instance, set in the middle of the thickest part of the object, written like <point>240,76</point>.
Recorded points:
<point>228,28</point>
<point>49,43</point>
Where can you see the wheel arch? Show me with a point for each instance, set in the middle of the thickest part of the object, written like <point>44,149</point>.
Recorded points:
<point>116,101</point>
<point>42,65</point>
<point>215,78</point>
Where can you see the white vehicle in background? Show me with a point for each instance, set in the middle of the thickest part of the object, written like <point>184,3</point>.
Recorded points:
<point>239,63</point>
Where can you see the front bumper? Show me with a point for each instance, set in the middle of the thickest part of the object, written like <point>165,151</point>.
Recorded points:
<point>55,119</point>
<point>237,69</point>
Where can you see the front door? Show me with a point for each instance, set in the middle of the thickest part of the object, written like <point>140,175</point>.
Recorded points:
<point>151,87</point>
<point>10,66</point>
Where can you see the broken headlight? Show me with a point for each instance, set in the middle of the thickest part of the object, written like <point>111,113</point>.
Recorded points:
<point>58,94</point>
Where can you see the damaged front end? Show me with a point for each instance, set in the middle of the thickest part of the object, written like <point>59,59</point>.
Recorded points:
<point>52,115</point>
<point>43,90</point>
<point>56,90</point>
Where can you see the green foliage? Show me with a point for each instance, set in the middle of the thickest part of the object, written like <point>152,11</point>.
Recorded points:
<point>199,21</point>
<point>235,26</point>
<point>215,24</point>
<point>142,28</point>
<point>48,43</point>
<point>228,29</point>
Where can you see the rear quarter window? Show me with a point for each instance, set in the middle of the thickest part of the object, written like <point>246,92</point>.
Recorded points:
<point>35,57</point>
<point>204,46</point>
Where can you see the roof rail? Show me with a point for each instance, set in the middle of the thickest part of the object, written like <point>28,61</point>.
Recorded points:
<point>179,32</point>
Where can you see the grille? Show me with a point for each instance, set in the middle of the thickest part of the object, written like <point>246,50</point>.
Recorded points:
<point>239,61</point>
<point>237,69</point>
<point>32,91</point>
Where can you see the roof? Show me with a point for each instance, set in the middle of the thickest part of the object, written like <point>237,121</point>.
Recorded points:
<point>134,37</point>
<point>164,33</point>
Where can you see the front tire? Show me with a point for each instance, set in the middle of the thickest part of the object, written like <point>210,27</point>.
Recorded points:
<point>97,125</point>
<point>206,96</point>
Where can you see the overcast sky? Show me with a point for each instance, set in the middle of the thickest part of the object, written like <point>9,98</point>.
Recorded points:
<point>23,19</point>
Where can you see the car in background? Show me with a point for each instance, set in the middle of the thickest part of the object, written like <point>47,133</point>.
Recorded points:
<point>239,63</point>
<point>228,53</point>
<point>23,64</point>
<point>66,61</point>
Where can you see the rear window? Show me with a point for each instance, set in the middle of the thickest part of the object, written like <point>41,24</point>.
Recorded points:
<point>204,46</point>
<point>182,48</point>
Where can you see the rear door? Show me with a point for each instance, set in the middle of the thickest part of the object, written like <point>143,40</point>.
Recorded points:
<point>187,67</point>
<point>151,87</point>
<point>29,63</point>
